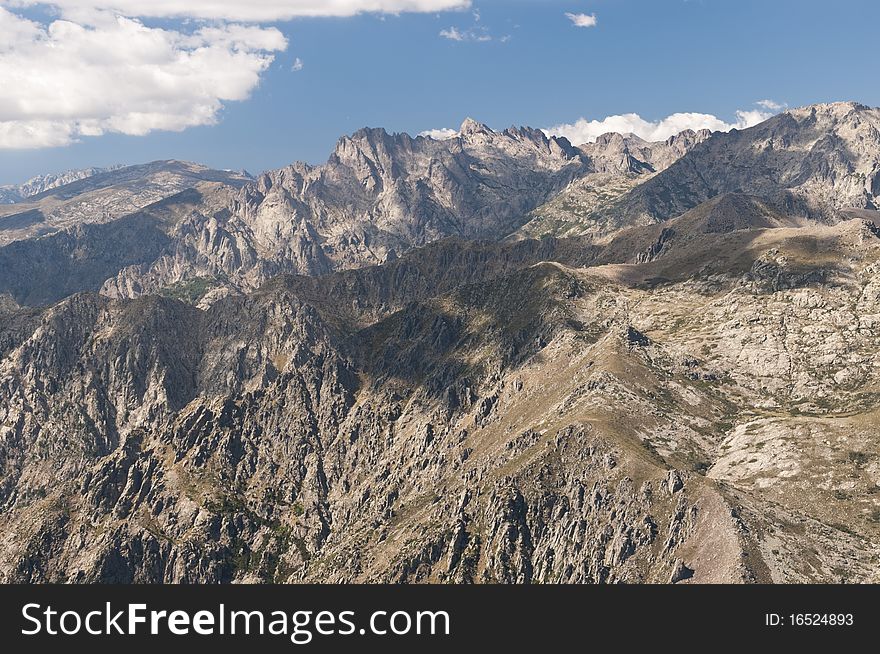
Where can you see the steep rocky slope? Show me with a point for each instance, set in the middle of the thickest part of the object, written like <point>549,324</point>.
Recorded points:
<point>50,206</point>
<point>705,415</point>
<point>44,270</point>
<point>809,162</point>
<point>42,183</point>
<point>618,164</point>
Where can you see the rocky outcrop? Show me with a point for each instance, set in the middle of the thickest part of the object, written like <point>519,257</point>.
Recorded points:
<point>617,164</point>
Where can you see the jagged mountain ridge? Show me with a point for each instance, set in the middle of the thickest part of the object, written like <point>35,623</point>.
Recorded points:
<point>41,183</point>
<point>629,153</point>
<point>619,163</point>
<point>813,162</point>
<point>378,196</point>
<point>381,194</point>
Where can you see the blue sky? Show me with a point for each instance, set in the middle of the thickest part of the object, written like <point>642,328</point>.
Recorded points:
<point>650,57</point>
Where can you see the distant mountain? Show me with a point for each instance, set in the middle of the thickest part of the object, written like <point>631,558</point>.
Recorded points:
<point>102,197</point>
<point>379,195</point>
<point>812,162</point>
<point>9,195</point>
<point>42,183</point>
<point>209,233</point>
<point>617,164</point>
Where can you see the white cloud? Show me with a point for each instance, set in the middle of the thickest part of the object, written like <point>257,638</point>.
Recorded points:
<point>298,65</point>
<point>240,10</point>
<point>96,69</point>
<point>750,118</point>
<point>452,34</point>
<point>443,134</point>
<point>478,34</point>
<point>771,105</point>
<point>582,20</point>
<point>32,134</point>
<point>587,131</point>
<point>61,82</point>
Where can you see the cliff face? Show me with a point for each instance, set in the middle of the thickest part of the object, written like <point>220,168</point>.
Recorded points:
<point>378,196</point>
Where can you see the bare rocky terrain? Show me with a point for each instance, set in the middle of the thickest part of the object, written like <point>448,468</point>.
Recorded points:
<point>499,358</point>
<point>17,193</point>
<point>55,203</point>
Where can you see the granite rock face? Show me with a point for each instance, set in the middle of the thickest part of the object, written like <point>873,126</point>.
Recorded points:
<point>810,162</point>
<point>378,196</point>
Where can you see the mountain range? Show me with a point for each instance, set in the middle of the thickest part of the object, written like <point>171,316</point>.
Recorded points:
<point>497,358</point>
<point>13,194</point>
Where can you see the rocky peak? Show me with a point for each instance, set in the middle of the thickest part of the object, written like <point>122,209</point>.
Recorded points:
<point>689,137</point>
<point>557,146</point>
<point>470,127</point>
<point>617,139</point>
<point>614,152</point>
<point>831,110</point>
<point>813,162</point>
<point>845,119</point>
<point>377,137</point>
<point>527,134</point>
<point>373,144</point>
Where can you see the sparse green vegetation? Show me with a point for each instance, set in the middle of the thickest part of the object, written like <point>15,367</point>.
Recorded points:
<point>190,291</point>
